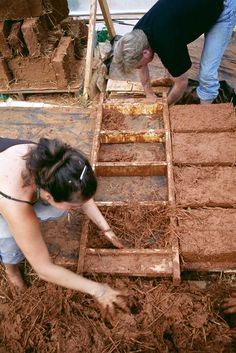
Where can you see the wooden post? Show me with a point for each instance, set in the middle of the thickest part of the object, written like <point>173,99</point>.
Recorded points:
<point>107,18</point>
<point>90,48</point>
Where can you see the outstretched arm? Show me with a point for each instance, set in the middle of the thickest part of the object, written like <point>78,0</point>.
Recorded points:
<point>176,92</point>
<point>229,305</point>
<point>92,211</point>
<point>31,243</point>
<point>146,82</point>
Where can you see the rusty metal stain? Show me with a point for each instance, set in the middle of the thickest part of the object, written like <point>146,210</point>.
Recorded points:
<point>131,136</point>
<point>136,107</point>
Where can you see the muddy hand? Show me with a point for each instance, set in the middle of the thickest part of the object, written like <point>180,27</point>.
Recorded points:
<point>229,305</point>
<point>110,235</point>
<point>110,301</point>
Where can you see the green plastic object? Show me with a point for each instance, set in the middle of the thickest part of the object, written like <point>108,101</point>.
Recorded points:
<point>103,35</point>
<point>3,97</point>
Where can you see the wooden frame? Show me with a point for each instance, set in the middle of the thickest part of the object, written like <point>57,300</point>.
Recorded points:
<point>131,262</point>
<point>91,39</point>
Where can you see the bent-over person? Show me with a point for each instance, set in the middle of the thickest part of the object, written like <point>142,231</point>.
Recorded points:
<point>167,29</point>
<point>40,181</point>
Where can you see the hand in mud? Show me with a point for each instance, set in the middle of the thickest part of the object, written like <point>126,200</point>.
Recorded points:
<point>111,300</point>
<point>229,305</point>
<point>110,235</point>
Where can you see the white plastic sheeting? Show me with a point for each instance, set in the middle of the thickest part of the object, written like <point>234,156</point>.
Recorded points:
<point>81,7</point>
<point>116,7</point>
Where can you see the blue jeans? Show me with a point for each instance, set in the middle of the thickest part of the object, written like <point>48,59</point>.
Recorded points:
<point>216,41</point>
<point>9,250</point>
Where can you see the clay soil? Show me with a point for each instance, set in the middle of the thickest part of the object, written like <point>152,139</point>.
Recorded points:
<point>204,148</point>
<point>210,118</point>
<point>154,188</point>
<point>205,186</point>
<point>208,236</point>
<point>114,120</point>
<point>132,152</point>
<point>160,318</point>
<point>135,226</point>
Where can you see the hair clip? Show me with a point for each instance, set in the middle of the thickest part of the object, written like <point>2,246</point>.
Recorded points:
<point>82,174</point>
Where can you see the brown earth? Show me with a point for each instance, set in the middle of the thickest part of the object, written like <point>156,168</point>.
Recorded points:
<point>208,235</point>
<point>132,152</point>
<point>136,226</point>
<point>17,9</point>
<point>37,55</point>
<point>161,318</point>
<point>114,120</point>
<point>210,118</point>
<point>204,148</point>
<point>205,186</point>
<point>122,188</point>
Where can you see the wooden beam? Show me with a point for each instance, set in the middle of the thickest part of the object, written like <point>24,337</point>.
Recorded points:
<point>90,48</point>
<point>131,168</point>
<point>107,18</point>
<point>130,262</point>
<point>113,136</point>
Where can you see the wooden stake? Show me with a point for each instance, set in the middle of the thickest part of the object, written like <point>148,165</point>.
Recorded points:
<point>107,18</point>
<point>90,48</point>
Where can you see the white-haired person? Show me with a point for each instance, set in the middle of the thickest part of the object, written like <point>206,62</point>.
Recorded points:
<point>40,181</point>
<point>167,29</point>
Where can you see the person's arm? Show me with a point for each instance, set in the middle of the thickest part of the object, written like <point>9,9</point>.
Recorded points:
<point>166,80</point>
<point>229,305</point>
<point>25,228</point>
<point>93,212</point>
<point>177,91</point>
<point>146,83</point>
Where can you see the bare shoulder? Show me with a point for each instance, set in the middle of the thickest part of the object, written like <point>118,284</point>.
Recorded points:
<point>13,165</point>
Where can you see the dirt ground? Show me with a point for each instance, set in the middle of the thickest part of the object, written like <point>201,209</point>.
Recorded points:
<point>161,317</point>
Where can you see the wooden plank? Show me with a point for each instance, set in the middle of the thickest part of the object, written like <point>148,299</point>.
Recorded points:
<point>118,252</point>
<point>69,89</point>
<point>127,86</point>
<point>131,168</point>
<point>96,140</point>
<point>170,177</point>
<point>123,86</point>
<point>107,18</point>
<point>176,263</point>
<point>131,136</point>
<point>90,47</point>
<point>130,262</point>
<point>82,247</point>
<point>170,185</point>
<point>133,107</point>
<point>127,203</point>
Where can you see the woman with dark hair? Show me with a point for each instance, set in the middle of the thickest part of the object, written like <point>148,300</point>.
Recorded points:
<point>39,182</point>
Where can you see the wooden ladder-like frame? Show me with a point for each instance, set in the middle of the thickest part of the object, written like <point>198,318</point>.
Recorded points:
<point>132,262</point>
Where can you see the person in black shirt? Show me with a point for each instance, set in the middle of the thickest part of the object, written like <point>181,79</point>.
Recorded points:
<point>166,29</point>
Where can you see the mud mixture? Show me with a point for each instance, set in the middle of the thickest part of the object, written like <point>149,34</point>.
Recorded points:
<point>162,318</point>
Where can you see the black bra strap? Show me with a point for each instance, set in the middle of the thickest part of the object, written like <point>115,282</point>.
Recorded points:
<point>28,202</point>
